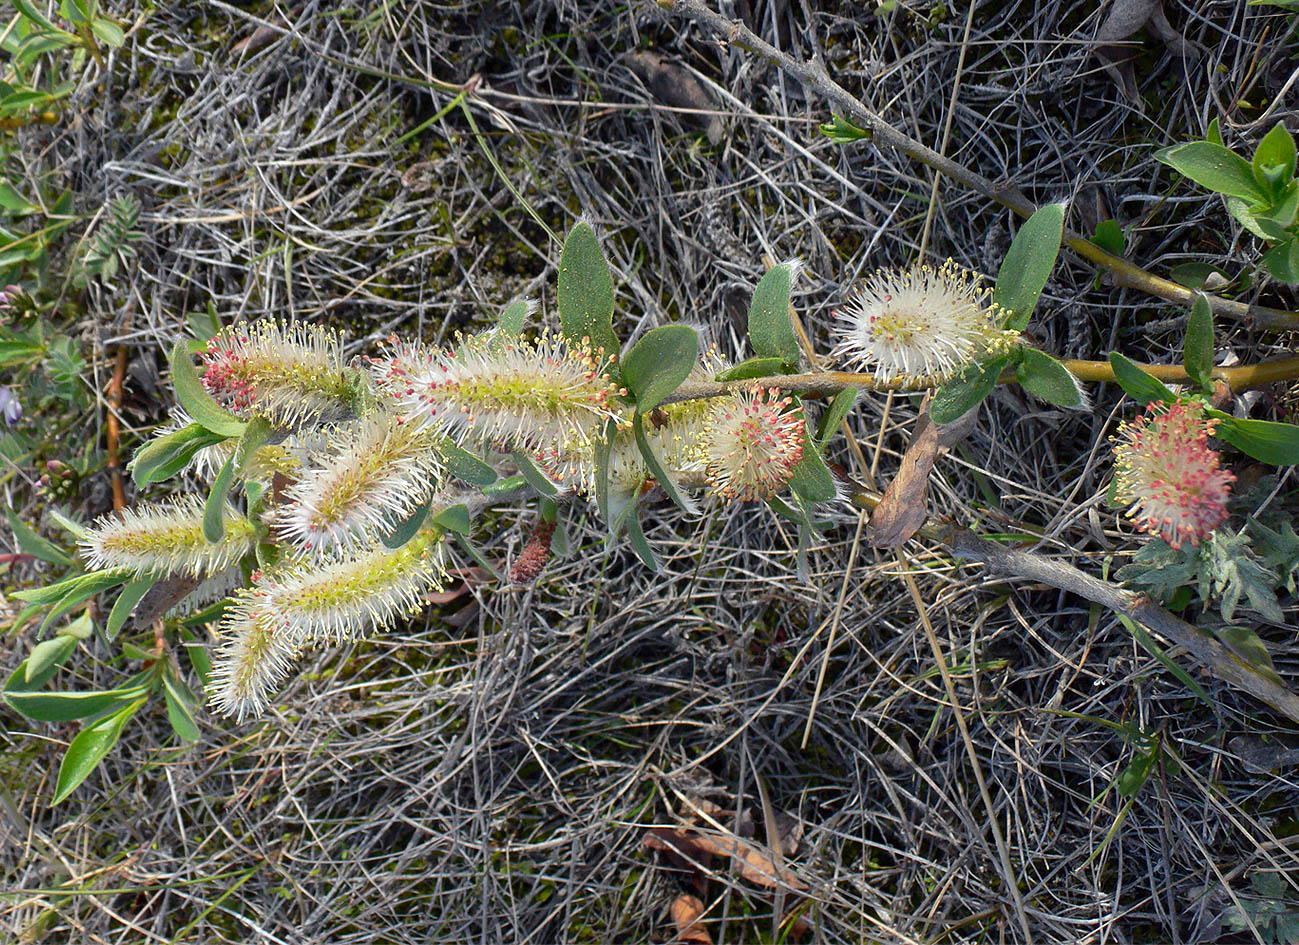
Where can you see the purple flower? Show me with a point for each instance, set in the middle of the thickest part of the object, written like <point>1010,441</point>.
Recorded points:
<point>10,408</point>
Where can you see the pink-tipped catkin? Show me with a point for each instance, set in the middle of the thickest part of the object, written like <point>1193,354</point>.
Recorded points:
<point>289,374</point>
<point>752,441</point>
<point>1163,464</point>
<point>501,389</point>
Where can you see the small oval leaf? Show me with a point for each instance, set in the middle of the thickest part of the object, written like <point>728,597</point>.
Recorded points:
<point>1197,347</point>
<point>658,363</point>
<point>770,330</point>
<point>195,399</point>
<point>1028,264</point>
<point>1043,376</point>
<point>1140,386</point>
<point>585,296</point>
<point>966,391</point>
<point>88,749</point>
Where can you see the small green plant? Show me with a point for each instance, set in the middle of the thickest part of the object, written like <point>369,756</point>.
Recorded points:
<point>32,33</point>
<point>1272,909</point>
<point>1262,193</point>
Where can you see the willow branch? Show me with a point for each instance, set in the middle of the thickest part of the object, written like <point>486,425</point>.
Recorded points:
<point>814,76</point>
<point>1219,660</point>
<point>827,383</point>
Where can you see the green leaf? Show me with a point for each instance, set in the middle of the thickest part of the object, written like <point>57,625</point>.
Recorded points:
<point>29,10</point>
<point>1108,235</point>
<point>1214,134</point>
<point>1197,347</point>
<point>255,436</point>
<point>967,390</point>
<point>126,601</point>
<point>454,518</point>
<point>658,363</point>
<point>534,476</point>
<point>660,472</point>
<point>508,484</point>
<point>409,527</point>
<point>465,466</point>
<point>771,333</point>
<point>636,537</point>
<point>198,656</point>
<point>1277,151</point>
<point>165,456</point>
<point>194,398</point>
<point>1215,167</point>
<point>811,478</point>
<point>67,706</point>
<point>753,367</point>
<point>1151,647</point>
<point>45,656</point>
<point>603,446</point>
<point>83,586</point>
<point>13,201</point>
<point>1250,649</point>
<point>1028,264</point>
<point>1195,275</point>
<point>108,32</point>
<point>180,708</point>
<point>1282,262</point>
<point>23,680</point>
<point>33,544</point>
<point>1043,376</point>
<point>1268,442</point>
<point>585,298</point>
<point>88,750</point>
<point>839,407</point>
<point>842,131</point>
<point>1139,385</point>
<point>514,315</point>
<point>214,510</point>
<point>479,558</point>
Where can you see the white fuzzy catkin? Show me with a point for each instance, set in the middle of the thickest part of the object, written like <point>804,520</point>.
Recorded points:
<point>376,473</point>
<point>921,324</point>
<point>501,389</point>
<point>290,374</point>
<point>166,538</point>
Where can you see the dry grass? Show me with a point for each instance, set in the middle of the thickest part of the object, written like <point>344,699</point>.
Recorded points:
<point>488,773</point>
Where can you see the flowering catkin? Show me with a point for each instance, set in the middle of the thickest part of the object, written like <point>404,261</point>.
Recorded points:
<point>166,539</point>
<point>920,324</point>
<point>498,388</point>
<point>288,374</point>
<point>347,598</point>
<point>254,655</point>
<point>377,472</point>
<point>300,604</point>
<point>752,441</point>
<point>1163,464</point>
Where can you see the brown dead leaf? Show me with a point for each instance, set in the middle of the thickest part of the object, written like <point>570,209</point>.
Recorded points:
<point>679,850</point>
<point>260,38</point>
<point>162,597</point>
<point>686,912</point>
<point>673,84</point>
<point>754,865</point>
<point>1125,17</point>
<point>903,509</point>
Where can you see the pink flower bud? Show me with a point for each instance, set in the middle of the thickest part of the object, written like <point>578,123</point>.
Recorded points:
<point>1163,464</point>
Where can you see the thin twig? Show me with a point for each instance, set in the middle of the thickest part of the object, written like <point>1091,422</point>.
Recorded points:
<point>814,77</point>
<point>827,383</point>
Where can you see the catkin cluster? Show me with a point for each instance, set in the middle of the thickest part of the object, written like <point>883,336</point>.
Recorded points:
<point>337,536</point>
